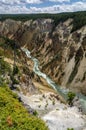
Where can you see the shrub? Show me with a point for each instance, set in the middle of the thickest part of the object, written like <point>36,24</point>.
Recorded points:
<point>71,96</point>
<point>4,67</point>
<point>70,129</point>
<point>35,113</point>
<point>15,70</point>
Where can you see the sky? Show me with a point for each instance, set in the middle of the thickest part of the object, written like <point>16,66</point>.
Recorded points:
<point>41,6</point>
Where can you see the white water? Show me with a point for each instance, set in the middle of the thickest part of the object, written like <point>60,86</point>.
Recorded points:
<point>51,83</point>
<point>39,73</point>
<point>58,118</point>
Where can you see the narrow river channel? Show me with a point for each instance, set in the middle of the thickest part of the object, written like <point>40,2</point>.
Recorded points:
<point>62,94</point>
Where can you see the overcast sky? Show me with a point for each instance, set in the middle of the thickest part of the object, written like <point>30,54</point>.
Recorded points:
<point>41,6</point>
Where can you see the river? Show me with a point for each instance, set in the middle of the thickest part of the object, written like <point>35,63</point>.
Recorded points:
<point>63,94</point>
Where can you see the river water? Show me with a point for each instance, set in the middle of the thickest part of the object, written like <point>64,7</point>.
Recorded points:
<point>82,98</point>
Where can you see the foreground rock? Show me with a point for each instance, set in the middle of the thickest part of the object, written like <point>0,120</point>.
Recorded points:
<point>57,115</point>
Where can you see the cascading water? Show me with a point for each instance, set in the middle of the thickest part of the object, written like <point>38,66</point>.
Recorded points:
<point>43,75</point>
<point>63,94</point>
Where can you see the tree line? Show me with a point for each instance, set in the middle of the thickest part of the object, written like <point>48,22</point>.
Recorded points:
<point>79,18</point>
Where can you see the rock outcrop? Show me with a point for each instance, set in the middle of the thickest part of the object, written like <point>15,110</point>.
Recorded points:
<point>62,53</point>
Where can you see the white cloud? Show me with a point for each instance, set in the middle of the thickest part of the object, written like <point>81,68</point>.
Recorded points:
<point>78,6</point>
<point>33,1</point>
<point>11,2</point>
<point>14,9</point>
<point>60,1</point>
<point>19,6</point>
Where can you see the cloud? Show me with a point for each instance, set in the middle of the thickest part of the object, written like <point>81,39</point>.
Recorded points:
<point>33,1</point>
<point>60,1</point>
<point>20,6</point>
<point>18,2</point>
<point>12,2</point>
<point>14,9</point>
<point>78,6</point>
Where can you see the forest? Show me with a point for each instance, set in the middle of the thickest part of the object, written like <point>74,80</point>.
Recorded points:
<point>79,18</point>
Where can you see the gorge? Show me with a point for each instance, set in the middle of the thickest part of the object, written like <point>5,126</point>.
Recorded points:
<point>42,59</point>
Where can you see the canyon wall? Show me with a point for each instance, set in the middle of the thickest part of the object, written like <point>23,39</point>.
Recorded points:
<point>61,52</point>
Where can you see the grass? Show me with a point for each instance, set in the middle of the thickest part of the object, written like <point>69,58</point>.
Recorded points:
<point>4,67</point>
<point>13,116</point>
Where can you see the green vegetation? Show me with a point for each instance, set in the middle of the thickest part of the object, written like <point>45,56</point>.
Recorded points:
<point>9,48</point>
<point>71,96</point>
<point>9,43</point>
<point>15,70</point>
<point>70,129</point>
<point>5,71</point>
<point>4,67</point>
<point>79,18</point>
<point>13,116</point>
<point>35,113</point>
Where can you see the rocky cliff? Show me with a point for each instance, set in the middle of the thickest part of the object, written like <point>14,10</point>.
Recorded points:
<point>61,51</point>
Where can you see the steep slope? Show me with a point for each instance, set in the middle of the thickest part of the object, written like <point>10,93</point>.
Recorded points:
<point>58,41</point>
<point>14,116</point>
<point>14,70</point>
<point>60,49</point>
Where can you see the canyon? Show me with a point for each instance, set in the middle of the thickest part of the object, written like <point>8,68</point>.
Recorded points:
<point>54,57</point>
<point>61,54</point>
